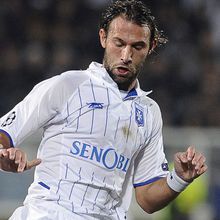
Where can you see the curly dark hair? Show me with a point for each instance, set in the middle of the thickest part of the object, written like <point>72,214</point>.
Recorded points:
<point>135,11</point>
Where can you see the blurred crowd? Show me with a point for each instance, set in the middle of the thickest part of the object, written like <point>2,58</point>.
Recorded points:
<point>42,38</point>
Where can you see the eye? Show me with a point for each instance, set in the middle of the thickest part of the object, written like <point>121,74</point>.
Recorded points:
<point>118,44</point>
<point>138,47</point>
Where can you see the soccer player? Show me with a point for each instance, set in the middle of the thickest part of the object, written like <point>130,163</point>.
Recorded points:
<point>102,133</point>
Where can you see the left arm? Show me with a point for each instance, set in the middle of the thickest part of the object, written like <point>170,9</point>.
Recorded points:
<point>154,196</point>
<point>188,166</point>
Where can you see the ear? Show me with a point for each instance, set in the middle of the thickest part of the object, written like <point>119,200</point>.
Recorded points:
<point>102,37</point>
<point>153,46</point>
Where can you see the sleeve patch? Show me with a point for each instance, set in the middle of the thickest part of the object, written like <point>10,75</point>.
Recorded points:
<point>165,166</point>
<point>9,120</point>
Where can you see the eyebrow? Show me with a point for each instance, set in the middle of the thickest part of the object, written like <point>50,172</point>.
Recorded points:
<point>138,43</point>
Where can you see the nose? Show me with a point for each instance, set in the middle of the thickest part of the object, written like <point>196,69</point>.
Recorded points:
<point>126,55</point>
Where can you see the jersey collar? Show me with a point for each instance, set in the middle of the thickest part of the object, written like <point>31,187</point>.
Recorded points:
<point>136,92</point>
<point>99,70</point>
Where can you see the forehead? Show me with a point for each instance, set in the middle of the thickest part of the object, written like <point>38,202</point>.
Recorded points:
<point>129,31</point>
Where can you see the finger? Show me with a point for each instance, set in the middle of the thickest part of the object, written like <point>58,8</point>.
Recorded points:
<point>190,152</point>
<point>202,170</point>
<point>32,163</point>
<point>11,152</point>
<point>4,153</point>
<point>22,164</point>
<point>181,157</point>
<point>1,153</point>
<point>18,156</point>
<point>200,163</point>
<point>197,162</point>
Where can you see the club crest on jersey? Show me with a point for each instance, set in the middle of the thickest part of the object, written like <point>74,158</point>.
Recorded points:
<point>139,115</point>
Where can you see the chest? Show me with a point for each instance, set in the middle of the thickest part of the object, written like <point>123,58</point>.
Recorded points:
<point>98,113</point>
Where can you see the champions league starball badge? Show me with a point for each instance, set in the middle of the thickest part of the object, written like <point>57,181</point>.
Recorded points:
<point>11,117</point>
<point>139,115</point>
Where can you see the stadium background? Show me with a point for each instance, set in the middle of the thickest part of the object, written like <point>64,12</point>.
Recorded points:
<point>42,38</point>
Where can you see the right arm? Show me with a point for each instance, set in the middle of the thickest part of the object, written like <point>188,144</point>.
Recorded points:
<point>14,159</point>
<point>37,110</point>
<point>25,118</point>
<point>4,141</point>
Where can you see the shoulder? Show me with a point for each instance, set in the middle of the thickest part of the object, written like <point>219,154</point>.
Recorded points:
<point>59,88</point>
<point>151,105</point>
<point>154,112</point>
<point>73,76</point>
<point>65,82</point>
<point>71,79</point>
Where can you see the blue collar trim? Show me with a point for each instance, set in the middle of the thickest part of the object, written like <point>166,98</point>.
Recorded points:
<point>131,93</point>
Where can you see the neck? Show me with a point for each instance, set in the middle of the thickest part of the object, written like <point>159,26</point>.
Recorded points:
<point>129,87</point>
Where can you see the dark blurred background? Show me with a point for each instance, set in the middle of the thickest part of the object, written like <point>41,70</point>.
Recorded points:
<point>42,38</point>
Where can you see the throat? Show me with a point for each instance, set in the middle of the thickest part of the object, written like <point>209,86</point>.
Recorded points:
<point>126,86</point>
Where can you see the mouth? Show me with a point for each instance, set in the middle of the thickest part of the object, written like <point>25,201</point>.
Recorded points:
<point>122,70</point>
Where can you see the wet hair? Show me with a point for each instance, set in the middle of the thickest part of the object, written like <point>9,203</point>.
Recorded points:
<point>137,12</point>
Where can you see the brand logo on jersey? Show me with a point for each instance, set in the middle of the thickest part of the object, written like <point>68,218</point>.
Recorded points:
<point>95,105</point>
<point>11,117</point>
<point>139,115</point>
<point>106,157</point>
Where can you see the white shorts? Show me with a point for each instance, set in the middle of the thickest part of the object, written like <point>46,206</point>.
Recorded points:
<point>45,210</point>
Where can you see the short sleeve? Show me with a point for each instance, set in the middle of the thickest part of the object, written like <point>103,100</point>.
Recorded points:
<point>150,163</point>
<point>34,111</point>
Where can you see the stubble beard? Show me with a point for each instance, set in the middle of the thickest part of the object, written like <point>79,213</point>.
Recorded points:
<point>124,83</point>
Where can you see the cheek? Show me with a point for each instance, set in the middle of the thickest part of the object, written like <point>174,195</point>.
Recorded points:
<point>139,57</point>
<point>113,53</point>
<point>114,50</point>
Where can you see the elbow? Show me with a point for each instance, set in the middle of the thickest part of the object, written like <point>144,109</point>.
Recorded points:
<point>149,210</point>
<point>147,207</point>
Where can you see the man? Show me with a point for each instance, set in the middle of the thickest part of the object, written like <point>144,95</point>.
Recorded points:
<point>102,134</point>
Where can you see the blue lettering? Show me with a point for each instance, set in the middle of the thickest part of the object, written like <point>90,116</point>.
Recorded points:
<point>115,159</point>
<point>98,155</point>
<point>120,162</point>
<point>125,166</point>
<point>75,149</point>
<point>84,150</point>
<point>108,157</point>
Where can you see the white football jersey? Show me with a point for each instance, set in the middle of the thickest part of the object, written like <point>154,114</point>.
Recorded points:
<point>98,142</point>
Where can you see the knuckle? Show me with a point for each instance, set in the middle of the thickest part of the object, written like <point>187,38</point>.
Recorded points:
<point>2,151</point>
<point>22,164</point>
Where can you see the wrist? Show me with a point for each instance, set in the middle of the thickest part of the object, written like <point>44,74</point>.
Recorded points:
<point>175,182</point>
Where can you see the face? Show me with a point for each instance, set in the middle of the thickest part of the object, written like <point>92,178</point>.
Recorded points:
<point>126,47</point>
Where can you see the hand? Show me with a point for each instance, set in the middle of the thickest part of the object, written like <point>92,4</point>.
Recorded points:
<point>190,164</point>
<point>15,160</point>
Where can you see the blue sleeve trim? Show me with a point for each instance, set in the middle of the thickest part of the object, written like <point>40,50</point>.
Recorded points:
<point>44,185</point>
<point>8,135</point>
<point>147,182</point>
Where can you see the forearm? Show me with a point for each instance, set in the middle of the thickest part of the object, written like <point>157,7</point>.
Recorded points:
<point>4,144</point>
<point>187,166</point>
<point>155,196</point>
<point>4,140</point>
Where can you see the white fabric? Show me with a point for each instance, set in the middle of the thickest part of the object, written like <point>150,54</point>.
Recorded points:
<point>93,141</point>
<point>44,210</point>
<point>175,182</point>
